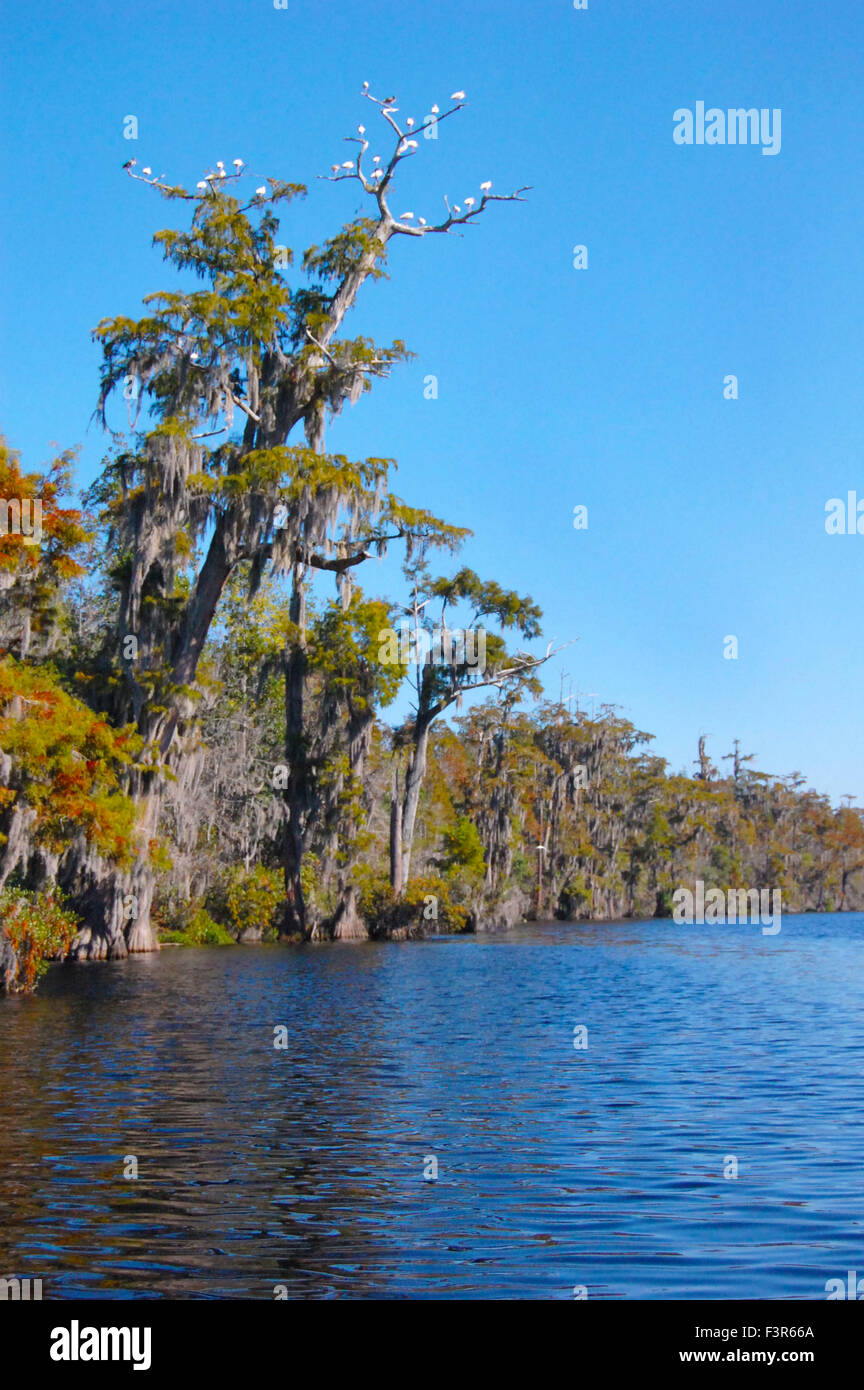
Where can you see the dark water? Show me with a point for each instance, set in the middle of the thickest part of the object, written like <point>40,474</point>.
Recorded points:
<point>557,1167</point>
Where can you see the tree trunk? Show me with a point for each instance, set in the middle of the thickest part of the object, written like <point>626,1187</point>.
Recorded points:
<point>414,776</point>
<point>17,846</point>
<point>348,925</point>
<point>395,834</point>
<point>538,907</point>
<point>198,616</point>
<point>297,788</point>
<point>98,892</point>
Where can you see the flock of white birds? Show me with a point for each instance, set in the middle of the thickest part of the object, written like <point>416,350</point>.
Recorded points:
<point>387,109</point>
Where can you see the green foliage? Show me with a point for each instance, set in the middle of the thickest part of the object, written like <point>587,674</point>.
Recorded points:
<point>345,252</point>
<point>344,648</point>
<point>67,764</point>
<point>489,600</point>
<point>245,308</point>
<point>248,899</point>
<point>426,905</point>
<point>199,930</point>
<point>41,929</point>
<point>463,848</point>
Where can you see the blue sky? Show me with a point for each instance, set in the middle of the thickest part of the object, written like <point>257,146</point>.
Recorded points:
<point>556,387</point>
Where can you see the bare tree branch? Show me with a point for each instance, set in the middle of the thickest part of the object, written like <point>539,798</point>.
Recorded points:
<point>379,182</point>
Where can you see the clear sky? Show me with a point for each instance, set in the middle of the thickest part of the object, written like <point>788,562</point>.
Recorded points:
<point>557,386</point>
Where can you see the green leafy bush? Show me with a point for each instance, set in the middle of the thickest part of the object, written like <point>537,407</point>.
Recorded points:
<point>248,899</point>
<point>199,929</point>
<point>426,905</point>
<point>40,929</point>
<point>463,848</point>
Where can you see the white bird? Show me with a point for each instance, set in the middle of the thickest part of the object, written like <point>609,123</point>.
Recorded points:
<point>389,110</point>
<point>238,163</point>
<point>410,144</point>
<point>457,208</point>
<point>469,202</point>
<point>201,185</point>
<point>422,221</point>
<point>405,215</point>
<point>349,164</point>
<point>435,110</point>
<point>194,356</point>
<point>334,168</point>
<point>361,130</point>
<point>486,186</point>
<point>262,191</point>
<point>365,86</point>
<point>376,159</point>
<point>146,171</point>
<point>410,120</point>
<point>220,164</point>
<point>457,96</point>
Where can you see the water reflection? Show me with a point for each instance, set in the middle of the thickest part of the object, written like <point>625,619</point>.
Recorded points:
<point>557,1167</point>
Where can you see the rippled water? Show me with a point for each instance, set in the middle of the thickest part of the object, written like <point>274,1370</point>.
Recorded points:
<point>557,1167</point>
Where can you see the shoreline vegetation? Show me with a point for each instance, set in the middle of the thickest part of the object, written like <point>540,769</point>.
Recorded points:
<point>619,833</point>
<point>194,744</point>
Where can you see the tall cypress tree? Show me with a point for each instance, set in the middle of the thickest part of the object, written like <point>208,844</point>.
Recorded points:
<point>227,375</point>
